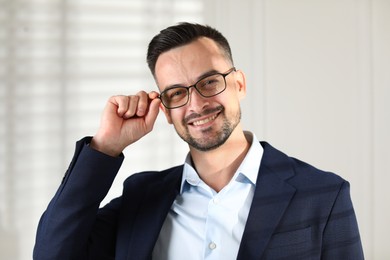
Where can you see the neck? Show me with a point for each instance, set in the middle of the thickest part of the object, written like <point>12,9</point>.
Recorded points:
<point>217,167</point>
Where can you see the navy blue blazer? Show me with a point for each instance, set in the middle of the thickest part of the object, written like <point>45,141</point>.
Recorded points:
<point>298,212</point>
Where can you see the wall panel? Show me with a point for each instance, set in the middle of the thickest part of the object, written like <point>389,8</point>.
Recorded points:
<point>318,88</point>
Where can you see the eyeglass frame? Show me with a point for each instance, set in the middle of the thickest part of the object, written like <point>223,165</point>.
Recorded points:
<point>224,75</point>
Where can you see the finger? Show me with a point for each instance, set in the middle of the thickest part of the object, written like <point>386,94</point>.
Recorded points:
<point>153,95</point>
<point>143,103</point>
<point>120,103</point>
<point>131,106</point>
<point>152,114</point>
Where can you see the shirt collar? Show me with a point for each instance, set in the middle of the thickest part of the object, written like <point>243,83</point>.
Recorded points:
<point>247,171</point>
<point>250,166</point>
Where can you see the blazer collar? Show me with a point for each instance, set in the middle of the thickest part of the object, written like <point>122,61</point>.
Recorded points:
<point>271,198</point>
<point>154,208</point>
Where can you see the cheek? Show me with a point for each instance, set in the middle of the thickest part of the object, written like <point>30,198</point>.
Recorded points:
<point>231,105</point>
<point>169,118</point>
<point>173,116</point>
<point>167,114</point>
<point>232,98</point>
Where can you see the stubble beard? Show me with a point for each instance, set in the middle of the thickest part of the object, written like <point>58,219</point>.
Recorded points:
<point>210,140</point>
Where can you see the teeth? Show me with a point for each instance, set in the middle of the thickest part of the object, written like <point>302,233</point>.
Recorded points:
<point>204,121</point>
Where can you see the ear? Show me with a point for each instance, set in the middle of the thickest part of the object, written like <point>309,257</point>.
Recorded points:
<point>167,113</point>
<point>240,83</point>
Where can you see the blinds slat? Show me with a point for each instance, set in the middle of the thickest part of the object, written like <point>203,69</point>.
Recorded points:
<point>60,61</point>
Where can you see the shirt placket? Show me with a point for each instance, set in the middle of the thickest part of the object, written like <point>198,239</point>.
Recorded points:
<point>213,242</point>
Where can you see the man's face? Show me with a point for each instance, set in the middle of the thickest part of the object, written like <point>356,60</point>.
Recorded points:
<point>204,123</point>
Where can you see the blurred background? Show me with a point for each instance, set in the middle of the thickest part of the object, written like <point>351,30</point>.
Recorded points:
<point>318,76</point>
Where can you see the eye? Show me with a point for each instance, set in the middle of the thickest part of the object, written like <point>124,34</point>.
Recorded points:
<point>209,82</point>
<point>176,93</point>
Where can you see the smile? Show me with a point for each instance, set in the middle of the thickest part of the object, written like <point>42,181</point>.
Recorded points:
<point>204,121</point>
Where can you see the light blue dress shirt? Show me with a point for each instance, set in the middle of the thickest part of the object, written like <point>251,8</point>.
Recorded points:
<point>204,224</point>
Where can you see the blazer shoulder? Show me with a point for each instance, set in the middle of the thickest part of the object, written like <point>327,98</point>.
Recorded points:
<point>304,168</point>
<point>302,172</point>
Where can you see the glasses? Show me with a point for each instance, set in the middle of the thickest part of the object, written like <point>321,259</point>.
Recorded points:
<point>208,86</point>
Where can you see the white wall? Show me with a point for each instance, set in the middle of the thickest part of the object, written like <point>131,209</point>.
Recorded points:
<point>319,89</point>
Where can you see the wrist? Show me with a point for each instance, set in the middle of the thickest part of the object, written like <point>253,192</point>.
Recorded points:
<point>99,145</point>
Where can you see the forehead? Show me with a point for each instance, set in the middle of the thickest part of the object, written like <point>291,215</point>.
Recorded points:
<point>184,64</point>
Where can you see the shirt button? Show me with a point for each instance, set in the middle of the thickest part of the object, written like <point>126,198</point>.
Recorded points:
<point>216,200</point>
<point>212,246</point>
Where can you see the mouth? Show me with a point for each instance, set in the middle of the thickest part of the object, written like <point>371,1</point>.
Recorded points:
<point>204,121</point>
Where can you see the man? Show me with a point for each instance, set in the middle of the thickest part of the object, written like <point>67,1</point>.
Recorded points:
<point>233,198</point>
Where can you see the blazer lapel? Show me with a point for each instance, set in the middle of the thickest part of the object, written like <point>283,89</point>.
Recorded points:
<point>271,198</point>
<point>152,213</point>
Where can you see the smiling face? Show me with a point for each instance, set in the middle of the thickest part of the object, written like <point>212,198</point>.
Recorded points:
<point>204,123</point>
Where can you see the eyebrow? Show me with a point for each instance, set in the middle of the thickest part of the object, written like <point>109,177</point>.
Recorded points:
<point>202,76</point>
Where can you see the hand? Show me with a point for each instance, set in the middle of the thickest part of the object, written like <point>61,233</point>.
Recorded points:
<point>125,120</point>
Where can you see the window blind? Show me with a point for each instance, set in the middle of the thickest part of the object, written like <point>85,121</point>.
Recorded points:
<point>59,63</point>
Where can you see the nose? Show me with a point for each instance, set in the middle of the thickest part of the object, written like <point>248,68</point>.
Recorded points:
<point>196,101</point>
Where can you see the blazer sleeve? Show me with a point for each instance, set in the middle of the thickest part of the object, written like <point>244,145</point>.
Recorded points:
<point>70,224</point>
<point>341,239</point>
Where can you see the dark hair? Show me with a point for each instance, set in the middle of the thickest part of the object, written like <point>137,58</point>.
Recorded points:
<point>179,35</point>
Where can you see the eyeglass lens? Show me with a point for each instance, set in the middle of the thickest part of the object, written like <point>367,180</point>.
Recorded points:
<point>207,87</point>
